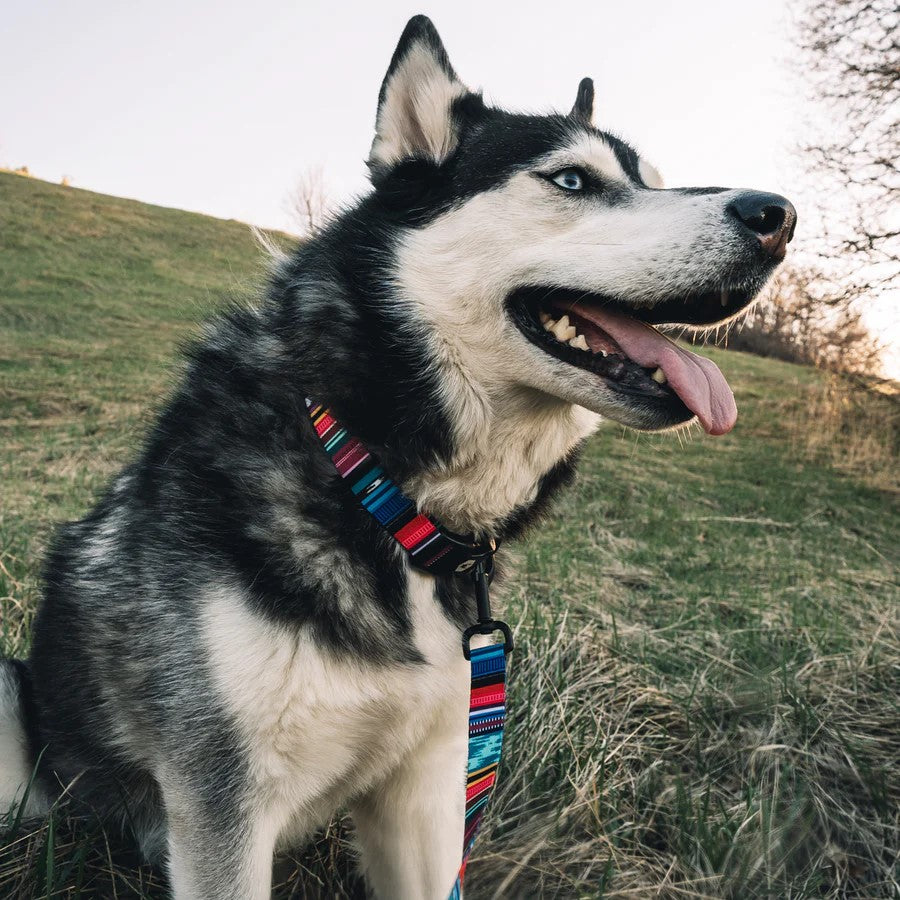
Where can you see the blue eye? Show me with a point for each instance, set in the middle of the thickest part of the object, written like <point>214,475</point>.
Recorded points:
<point>570,179</point>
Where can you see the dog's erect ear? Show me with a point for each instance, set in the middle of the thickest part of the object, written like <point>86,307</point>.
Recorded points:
<point>583,110</point>
<point>415,107</point>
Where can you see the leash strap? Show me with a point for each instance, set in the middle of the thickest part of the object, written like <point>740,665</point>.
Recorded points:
<point>439,552</point>
<point>487,712</point>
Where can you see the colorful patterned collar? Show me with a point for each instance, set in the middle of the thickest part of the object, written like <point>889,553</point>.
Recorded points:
<point>430,546</point>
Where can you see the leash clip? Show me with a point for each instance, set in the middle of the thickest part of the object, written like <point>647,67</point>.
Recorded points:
<point>486,624</point>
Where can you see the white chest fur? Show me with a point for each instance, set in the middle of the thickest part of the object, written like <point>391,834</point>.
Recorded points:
<point>320,729</point>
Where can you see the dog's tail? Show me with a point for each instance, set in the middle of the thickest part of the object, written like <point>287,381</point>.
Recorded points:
<point>18,730</point>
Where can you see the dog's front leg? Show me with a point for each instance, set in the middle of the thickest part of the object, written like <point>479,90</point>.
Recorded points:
<point>215,850</point>
<point>411,827</point>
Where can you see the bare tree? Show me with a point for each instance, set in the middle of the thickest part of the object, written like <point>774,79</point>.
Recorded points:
<point>309,205</point>
<point>850,54</point>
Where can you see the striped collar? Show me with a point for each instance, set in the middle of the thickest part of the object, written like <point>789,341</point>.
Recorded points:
<point>430,547</point>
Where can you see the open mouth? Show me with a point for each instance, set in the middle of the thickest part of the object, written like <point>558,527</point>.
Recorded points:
<point>619,344</point>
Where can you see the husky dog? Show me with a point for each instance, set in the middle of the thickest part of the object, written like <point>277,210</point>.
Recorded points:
<point>229,648</point>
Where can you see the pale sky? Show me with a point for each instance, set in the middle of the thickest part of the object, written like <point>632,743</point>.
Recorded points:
<point>220,107</point>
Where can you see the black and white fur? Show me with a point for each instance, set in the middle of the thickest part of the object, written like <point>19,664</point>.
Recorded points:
<point>229,650</point>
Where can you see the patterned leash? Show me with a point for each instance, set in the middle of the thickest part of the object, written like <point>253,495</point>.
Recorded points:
<point>440,552</point>
<point>487,711</point>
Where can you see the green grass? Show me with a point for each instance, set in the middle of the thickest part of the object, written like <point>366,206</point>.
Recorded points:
<point>704,698</point>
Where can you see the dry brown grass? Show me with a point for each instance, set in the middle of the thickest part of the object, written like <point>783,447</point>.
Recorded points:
<point>850,423</point>
<point>752,785</point>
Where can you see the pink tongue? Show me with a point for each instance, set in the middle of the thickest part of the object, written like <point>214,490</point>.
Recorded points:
<point>697,380</point>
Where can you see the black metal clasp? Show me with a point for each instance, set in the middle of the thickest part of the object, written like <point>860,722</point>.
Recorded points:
<point>471,550</point>
<point>481,576</point>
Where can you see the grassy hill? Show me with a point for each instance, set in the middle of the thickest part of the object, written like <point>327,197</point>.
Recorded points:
<point>704,698</point>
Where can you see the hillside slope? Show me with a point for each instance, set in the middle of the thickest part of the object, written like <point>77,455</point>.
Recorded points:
<point>704,698</point>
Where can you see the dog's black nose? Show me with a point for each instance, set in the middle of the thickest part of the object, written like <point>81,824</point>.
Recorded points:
<point>771,217</point>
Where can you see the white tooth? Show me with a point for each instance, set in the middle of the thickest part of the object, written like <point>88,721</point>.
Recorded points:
<point>658,376</point>
<point>549,325</point>
<point>563,330</point>
<point>579,342</point>
<point>603,353</point>
<point>724,298</point>
<point>545,317</point>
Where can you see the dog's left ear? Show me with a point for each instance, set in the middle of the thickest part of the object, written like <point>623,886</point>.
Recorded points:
<point>415,107</point>
<point>583,110</point>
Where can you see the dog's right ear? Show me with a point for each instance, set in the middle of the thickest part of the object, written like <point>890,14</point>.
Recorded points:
<point>415,107</point>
